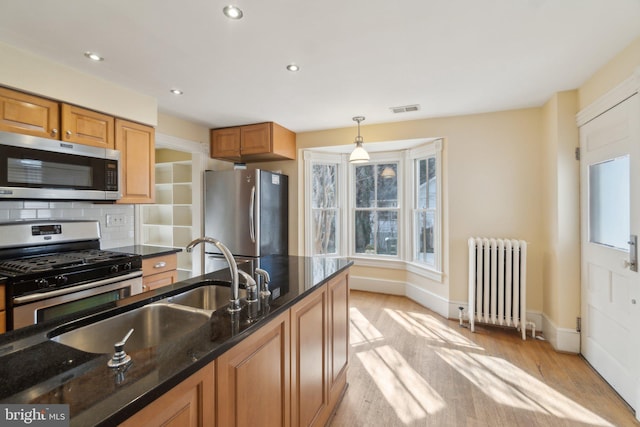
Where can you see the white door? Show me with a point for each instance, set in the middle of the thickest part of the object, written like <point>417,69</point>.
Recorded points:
<point>610,215</point>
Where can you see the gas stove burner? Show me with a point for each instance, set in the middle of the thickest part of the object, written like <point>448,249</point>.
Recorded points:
<point>51,262</point>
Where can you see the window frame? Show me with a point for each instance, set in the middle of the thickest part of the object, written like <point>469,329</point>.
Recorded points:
<point>407,202</point>
<point>312,158</point>
<point>425,152</point>
<point>376,159</point>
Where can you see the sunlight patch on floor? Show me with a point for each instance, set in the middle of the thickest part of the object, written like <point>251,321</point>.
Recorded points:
<point>427,326</point>
<point>361,330</point>
<point>509,385</point>
<point>407,392</point>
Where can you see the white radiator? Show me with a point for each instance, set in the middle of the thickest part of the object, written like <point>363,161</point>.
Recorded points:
<point>498,282</point>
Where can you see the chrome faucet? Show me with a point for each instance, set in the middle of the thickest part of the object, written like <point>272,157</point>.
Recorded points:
<point>234,299</point>
<point>264,287</point>
<point>252,287</point>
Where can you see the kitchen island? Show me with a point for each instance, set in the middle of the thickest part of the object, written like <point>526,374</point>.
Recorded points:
<point>307,313</point>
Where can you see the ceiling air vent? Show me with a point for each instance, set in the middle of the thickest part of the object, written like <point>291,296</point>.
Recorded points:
<point>405,108</point>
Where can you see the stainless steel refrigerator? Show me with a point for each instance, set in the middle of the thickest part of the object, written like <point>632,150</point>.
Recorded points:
<point>248,211</point>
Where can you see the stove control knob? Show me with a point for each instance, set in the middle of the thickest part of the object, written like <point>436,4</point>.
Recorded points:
<point>127,266</point>
<point>114,269</point>
<point>61,280</point>
<point>42,283</point>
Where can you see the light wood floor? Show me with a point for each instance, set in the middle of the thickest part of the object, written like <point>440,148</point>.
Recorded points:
<point>411,367</point>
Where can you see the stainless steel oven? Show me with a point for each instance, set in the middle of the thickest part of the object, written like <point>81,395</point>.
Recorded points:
<point>88,297</point>
<point>55,268</point>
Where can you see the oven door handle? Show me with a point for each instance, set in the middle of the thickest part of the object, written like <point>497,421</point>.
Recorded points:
<point>72,289</point>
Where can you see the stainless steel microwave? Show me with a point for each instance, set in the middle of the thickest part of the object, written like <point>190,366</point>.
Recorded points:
<point>41,168</point>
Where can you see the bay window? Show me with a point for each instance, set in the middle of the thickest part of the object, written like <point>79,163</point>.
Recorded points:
<point>386,210</point>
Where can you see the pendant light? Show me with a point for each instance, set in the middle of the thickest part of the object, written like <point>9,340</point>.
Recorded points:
<point>359,154</point>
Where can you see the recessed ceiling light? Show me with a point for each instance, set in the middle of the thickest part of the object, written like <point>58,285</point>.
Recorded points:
<point>93,56</point>
<point>176,91</point>
<point>293,67</point>
<point>232,12</point>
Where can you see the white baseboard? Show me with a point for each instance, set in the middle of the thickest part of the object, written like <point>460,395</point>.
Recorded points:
<point>381,286</point>
<point>427,299</point>
<point>561,339</point>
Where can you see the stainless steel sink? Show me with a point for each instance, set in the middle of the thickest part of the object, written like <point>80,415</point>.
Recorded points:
<point>153,324</point>
<point>210,297</point>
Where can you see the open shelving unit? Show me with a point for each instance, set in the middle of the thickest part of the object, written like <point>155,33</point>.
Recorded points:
<point>169,222</point>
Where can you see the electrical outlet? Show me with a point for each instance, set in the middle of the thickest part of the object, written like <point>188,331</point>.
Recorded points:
<point>115,220</point>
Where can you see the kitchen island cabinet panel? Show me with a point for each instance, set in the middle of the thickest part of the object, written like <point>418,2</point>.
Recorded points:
<point>309,360</point>
<point>87,127</point>
<point>28,114</point>
<point>338,289</point>
<point>253,379</point>
<point>189,404</point>
<point>136,143</point>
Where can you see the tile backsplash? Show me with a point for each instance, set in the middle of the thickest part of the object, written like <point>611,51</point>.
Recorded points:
<point>112,236</point>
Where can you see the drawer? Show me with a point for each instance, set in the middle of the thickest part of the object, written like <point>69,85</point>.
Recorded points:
<point>159,280</point>
<point>2,302</point>
<point>159,264</point>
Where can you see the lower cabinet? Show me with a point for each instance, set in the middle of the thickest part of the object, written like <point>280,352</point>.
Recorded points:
<point>309,363</point>
<point>338,296</point>
<point>189,404</point>
<point>253,379</point>
<point>159,271</point>
<point>291,372</point>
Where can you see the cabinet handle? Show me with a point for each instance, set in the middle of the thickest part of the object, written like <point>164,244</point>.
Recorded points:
<point>68,133</point>
<point>54,132</point>
<point>161,264</point>
<point>144,288</point>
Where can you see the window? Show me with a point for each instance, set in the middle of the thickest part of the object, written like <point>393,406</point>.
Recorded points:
<point>386,210</point>
<point>324,208</point>
<point>425,210</point>
<point>376,209</point>
<point>324,195</point>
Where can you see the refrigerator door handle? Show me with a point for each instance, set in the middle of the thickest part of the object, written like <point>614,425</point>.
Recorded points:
<point>252,227</point>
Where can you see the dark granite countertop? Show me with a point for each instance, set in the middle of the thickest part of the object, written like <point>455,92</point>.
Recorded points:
<point>37,370</point>
<point>146,251</point>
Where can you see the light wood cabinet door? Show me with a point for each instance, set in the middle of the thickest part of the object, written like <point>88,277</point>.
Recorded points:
<point>159,280</point>
<point>136,143</point>
<point>309,335</point>
<point>253,143</point>
<point>253,386</point>
<point>338,289</point>
<point>30,115</point>
<point>87,127</point>
<point>225,143</point>
<point>255,139</point>
<point>189,404</point>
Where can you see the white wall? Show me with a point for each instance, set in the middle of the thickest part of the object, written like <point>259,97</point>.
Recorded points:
<point>111,236</point>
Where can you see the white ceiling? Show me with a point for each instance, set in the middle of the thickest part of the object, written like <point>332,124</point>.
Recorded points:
<point>357,57</point>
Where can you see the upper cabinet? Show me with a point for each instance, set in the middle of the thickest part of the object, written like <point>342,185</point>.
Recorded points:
<point>28,114</point>
<point>32,115</point>
<point>253,143</point>
<point>136,143</point>
<point>87,127</point>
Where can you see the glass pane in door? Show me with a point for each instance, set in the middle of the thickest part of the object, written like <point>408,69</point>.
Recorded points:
<point>609,203</point>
